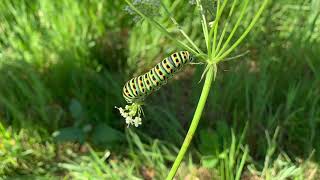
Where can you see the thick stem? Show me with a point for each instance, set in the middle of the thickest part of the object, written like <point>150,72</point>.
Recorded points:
<point>194,122</point>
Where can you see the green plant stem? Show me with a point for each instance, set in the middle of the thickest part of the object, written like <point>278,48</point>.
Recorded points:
<point>194,123</point>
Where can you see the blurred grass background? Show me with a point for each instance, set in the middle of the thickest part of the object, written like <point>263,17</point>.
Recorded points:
<point>63,64</point>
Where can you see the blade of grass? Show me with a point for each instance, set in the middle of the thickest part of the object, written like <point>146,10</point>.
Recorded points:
<point>243,160</point>
<point>242,136</point>
<point>232,154</point>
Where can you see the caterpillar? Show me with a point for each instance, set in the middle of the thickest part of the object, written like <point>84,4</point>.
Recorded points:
<point>136,89</point>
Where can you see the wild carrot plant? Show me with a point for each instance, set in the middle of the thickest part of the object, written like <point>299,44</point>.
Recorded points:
<point>219,28</point>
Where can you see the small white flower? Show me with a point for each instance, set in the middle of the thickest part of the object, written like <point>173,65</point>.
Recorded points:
<point>125,115</point>
<point>129,120</point>
<point>131,113</point>
<point>121,111</point>
<point>137,121</point>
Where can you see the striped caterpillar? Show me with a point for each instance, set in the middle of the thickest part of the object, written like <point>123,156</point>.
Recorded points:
<point>137,89</point>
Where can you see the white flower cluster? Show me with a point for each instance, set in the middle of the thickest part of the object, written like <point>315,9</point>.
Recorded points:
<point>131,114</point>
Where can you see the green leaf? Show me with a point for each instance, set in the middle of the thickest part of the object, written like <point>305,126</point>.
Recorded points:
<point>105,135</point>
<point>209,161</point>
<point>75,109</point>
<point>69,134</point>
<point>208,142</point>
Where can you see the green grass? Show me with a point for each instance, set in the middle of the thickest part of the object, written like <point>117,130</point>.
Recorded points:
<point>63,64</point>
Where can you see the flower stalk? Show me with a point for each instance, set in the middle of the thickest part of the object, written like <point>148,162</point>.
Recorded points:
<point>195,121</point>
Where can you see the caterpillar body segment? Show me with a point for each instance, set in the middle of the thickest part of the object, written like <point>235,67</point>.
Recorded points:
<point>136,89</point>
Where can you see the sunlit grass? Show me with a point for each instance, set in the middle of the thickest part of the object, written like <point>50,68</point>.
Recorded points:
<point>62,66</point>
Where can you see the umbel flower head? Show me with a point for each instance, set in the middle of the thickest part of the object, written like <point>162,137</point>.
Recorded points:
<point>132,114</point>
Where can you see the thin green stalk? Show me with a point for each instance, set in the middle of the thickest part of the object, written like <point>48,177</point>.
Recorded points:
<point>213,28</point>
<point>253,22</point>
<point>232,7</point>
<point>204,23</point>
<point>162,29</point>
<point>226,26</point>
<point>214,43</point>
<point>195,121</point>
<point>243,10</point>
<point>213,50</point>
<point>180,28</point>
<point>222,36</point>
